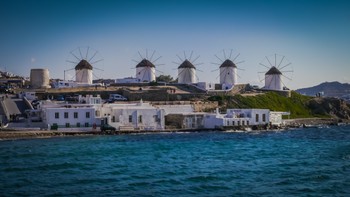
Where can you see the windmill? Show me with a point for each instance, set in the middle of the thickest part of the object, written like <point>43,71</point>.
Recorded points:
<point>187,69</point>
<point>146,69</point>
<point>228,69</point>
<point>278,67</point>
<point>84,58</point>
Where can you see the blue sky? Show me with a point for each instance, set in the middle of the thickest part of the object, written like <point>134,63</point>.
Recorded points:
<point>313,35</point>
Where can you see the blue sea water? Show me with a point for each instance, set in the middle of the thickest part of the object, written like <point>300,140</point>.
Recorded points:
<point>301,162</point>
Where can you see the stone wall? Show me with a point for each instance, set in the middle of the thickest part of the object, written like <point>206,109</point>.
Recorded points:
<point>200,106</point>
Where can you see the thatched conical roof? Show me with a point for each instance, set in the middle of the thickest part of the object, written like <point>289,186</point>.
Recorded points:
<point>187,64</point>
<point>273,71</point>
<point>83,64</point>
<point>228,63</point>
<point>145,63</point>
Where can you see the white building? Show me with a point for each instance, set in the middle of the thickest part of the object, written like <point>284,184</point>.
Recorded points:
<point>276,117</point>
<point>65,115</point>
<point>73,84</point>
<point>131,116</point>
<point>28,95</point>
<point>187,73</point>
<point>128,116</point>
<point>145,71</point>
<point>64,84</point>
<point>237,117</point>
<point>128,80</point>
<point>206,85</point>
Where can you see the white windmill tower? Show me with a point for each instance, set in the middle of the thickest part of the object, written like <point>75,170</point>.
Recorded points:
<point>186,73</point>
<point>277,70</point>
<point>146,69</point>
<point>186,70</point>
<point>84,58</point>
<point>83,72</point>
<point>228,70</point>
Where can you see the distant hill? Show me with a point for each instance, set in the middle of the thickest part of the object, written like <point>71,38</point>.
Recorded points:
<point>329,89</point>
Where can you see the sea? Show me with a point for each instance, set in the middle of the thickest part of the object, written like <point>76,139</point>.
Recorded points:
<point>298,162</point>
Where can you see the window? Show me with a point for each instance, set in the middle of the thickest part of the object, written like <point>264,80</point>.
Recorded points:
<point>86,124</point>
<point>113,118</point>
<point>78,124</point>
<point>243,122</point>
<point>248,122</point>
<point>238,123</point>
<point>228,123</point>
<point>130,118</point>
<point>65,114</point>
<point>67,125</point>
<point>233,122</point>
<point>57,115</point>
<point>87,114</point>
<point>256,117</point>
<point>75,114</point>
<point>264,118</point>
<point>140,119</point>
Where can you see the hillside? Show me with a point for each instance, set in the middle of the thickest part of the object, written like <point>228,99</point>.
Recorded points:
<point>330,89</point>
<point>298,105</point>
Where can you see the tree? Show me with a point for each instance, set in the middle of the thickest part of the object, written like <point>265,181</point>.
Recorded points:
<point>165,78</point>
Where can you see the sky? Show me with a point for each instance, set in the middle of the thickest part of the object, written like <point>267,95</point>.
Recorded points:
<point>314,36</point>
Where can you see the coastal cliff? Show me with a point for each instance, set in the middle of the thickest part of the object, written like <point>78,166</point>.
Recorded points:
<point>298,105</point>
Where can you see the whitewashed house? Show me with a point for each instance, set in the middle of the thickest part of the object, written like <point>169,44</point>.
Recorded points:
<point>132,116</point>
<point>237,117</point>
<point>69,116</point>
<point>206,85</point>
<point>66,115</point>
<point>128,80</point>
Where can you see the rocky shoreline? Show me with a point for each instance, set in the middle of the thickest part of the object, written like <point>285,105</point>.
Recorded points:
<point>12,134</point>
